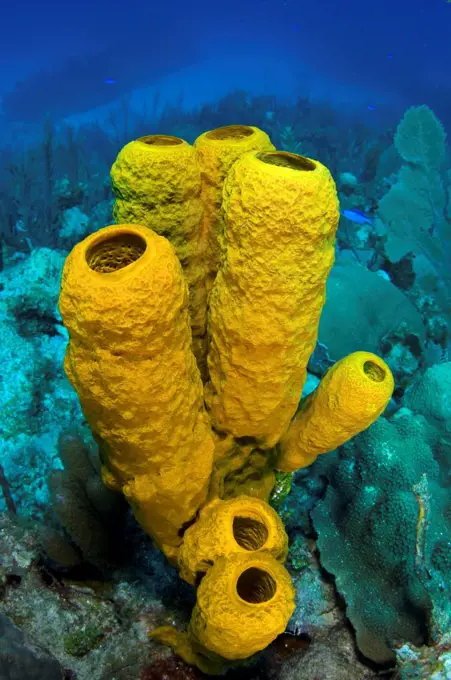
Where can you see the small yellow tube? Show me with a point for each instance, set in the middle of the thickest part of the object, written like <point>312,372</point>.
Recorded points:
<point>243,603</point>
<point>350,397</point>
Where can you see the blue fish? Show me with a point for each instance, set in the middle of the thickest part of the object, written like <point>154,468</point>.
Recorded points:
<point>357,217</point>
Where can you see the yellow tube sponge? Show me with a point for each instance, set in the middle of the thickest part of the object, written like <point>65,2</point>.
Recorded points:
<point>217,150</point>
<point>241,469</point>
<point>350,397</point>
<point>241,525</point>
<point>243,603</point>
<point>157,183</point>
<point>124,301</point>
<point>281,213</point>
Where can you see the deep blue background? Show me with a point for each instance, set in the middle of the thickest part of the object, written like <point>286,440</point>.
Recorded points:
<point>64,52</point>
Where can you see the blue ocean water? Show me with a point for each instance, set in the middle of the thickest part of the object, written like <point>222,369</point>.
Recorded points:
<point>64,60</point>
<point>363,88</point>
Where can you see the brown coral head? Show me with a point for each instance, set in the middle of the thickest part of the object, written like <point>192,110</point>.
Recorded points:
<point>256,586</point>
<point>115,251</point>
<point>285,159</point>
<point>230,132</point>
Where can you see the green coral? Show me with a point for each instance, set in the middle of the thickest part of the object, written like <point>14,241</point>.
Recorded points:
<point>81,642</point>
<point>282,488</point>
<point>391,574</point>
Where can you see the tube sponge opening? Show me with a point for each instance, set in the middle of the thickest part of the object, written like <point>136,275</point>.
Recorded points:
<point>249,533</point>
<point>243,525</point>
<point>115,252</point>
<point>231,132</point>
<point>374,372</point>
<point>256,585</point>
<point>160,140</point>
<point>285,159</point>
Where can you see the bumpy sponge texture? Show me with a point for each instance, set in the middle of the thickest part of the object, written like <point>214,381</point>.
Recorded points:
<point>217,150</point>
<point>157,183</point>
<point>351,396</point>
<point>243,602</point>
<point>281,214</point>
<point>124,301</point>
<point>241,525</point>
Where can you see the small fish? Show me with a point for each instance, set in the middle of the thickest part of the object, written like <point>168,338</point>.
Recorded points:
<point>357,217</point>
<point>109,81</point>
<point>19,226</point>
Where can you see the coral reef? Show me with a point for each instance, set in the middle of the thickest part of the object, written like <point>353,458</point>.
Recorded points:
<point>128,303</point>
<point>417,663</point>
<point>21,658</point>
<point>396,332</point>
<point>414,209</point>
<point>36,400</point>
<point>106,623</point>
<point>96,628</point>
<point>387,294</point>
<point>384,523</point>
